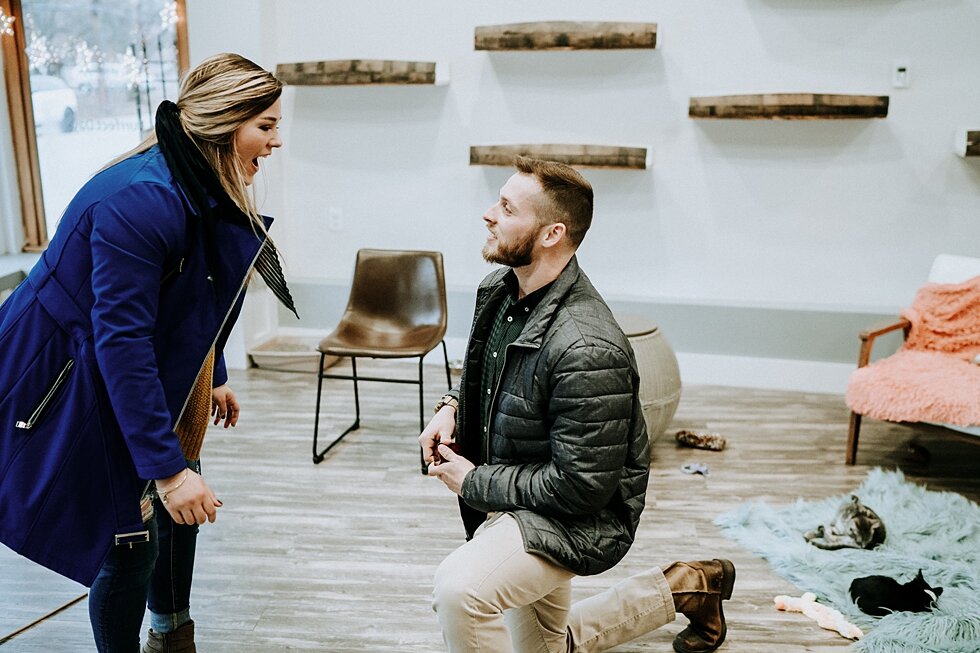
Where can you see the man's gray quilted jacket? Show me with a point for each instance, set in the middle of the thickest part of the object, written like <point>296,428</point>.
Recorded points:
<point>568,449</point>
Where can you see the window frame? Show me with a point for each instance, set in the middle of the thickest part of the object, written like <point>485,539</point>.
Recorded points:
<point>21,112</point>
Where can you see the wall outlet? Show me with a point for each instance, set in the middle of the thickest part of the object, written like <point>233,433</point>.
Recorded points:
<point>335,219</point>
<point>901,74</point>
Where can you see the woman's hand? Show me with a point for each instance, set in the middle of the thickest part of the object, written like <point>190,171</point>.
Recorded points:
<point>188,498</point>
<point>224,406</point>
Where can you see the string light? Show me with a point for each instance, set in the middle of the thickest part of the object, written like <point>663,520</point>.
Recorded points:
<point>132,67</point>
<point>168,15</point>
<point>6,22</point>
<point>40,54</point>
<point>87,57</point>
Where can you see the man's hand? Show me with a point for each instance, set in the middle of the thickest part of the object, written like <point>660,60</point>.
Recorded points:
<point>452,470</point>
<point>439,429</point>
<point>189,499</point>
<point>224,406</point>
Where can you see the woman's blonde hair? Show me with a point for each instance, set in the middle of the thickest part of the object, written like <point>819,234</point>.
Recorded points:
<point>217,97</point>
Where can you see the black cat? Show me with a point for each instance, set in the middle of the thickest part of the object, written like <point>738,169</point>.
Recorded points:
<point>880,595</point>
<point>854,526</point>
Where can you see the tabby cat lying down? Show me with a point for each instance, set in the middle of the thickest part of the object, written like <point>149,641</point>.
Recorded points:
<point>854,526</point>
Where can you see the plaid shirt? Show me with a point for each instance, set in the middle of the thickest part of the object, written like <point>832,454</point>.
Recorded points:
<point>509,322</point>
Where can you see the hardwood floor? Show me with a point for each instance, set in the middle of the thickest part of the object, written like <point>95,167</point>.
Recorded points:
<point>339,556</point>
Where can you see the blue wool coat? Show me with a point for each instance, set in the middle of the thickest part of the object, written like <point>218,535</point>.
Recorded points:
<point>99,349</point>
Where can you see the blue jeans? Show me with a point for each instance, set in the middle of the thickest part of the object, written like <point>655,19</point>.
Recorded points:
<point>158,572</point>
<point>169,595</point>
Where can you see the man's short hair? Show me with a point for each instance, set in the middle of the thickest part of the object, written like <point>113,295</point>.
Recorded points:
<point>569,195</point>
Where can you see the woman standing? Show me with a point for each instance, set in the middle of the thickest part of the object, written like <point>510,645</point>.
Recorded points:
<point>110,356</point>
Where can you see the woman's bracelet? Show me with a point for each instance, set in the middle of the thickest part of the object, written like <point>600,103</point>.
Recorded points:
<point>163,493</point>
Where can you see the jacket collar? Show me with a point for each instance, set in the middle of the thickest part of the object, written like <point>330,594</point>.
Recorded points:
<point>189,206</point>
<point>540,318</point>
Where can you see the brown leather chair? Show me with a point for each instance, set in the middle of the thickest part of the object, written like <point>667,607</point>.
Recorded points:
<point>396,309</point>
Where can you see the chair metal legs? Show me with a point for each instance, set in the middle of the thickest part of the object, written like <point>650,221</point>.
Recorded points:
<point>421,417</point>
<point>445,356</point>
<point>318,455</point>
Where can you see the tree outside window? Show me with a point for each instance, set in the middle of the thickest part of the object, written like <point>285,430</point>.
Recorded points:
<point>96,70</point>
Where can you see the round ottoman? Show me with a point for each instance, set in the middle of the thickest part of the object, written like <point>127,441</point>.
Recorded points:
<point>660,378</point>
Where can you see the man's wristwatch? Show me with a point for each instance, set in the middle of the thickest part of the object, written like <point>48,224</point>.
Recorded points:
<point>447,400</point>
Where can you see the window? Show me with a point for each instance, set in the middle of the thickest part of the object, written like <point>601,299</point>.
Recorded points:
<point>83,81</point>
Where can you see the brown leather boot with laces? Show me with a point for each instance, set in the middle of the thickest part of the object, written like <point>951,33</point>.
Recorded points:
<point>698,588</point>
<point>179,641</point>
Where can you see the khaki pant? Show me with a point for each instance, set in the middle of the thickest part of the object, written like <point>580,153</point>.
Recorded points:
<point>493,597</point>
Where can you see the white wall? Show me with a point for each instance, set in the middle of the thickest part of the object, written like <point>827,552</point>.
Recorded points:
<point>757,213</point>
<point>739,234</point>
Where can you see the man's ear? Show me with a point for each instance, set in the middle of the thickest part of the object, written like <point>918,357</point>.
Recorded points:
<point>556,233</point>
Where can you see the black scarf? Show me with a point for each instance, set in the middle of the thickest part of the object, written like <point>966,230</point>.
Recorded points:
<point>200,183</point>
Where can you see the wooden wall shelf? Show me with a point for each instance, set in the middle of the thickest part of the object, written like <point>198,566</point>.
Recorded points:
<point>789,106</point>
<point>583,156</point>
<point>566,35</point>
<point>968,142</point>
<point>346,72</point>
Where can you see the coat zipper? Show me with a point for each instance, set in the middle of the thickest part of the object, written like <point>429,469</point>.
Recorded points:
<point>177,270</point>
<point>183,408</point>
<point>220,328</point>
<point>29,424</point>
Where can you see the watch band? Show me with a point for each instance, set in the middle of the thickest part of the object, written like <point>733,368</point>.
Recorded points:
<point>447,400</point>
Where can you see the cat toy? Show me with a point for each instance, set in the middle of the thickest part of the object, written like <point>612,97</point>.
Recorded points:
<point>701,439</point>
<point>825,616</point>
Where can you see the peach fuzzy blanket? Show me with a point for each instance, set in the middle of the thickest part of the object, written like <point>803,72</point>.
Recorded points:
<point>932,378</point>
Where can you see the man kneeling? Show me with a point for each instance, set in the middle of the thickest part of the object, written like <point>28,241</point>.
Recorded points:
<point>553,455</point>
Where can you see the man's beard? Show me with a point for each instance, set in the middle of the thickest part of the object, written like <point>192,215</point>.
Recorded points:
<point>515,255</point>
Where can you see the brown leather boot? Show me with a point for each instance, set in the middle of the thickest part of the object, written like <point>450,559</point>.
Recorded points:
<point>179,641</point>
<point>698,589</point>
